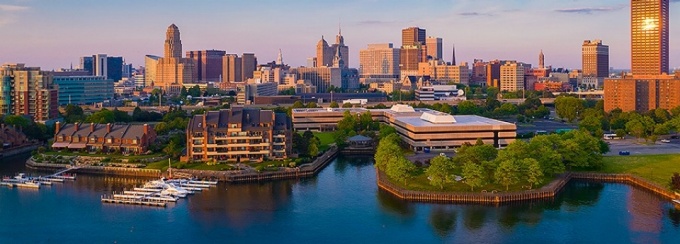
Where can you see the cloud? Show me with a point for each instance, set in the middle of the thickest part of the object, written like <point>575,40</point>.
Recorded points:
<point>12,8</point>
<point>474,14</point>
<point>588,10</point>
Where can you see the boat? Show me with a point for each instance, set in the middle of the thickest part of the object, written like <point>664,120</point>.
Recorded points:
<point>28,184</point>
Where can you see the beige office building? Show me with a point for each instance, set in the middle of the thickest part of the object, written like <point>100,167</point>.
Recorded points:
<point>172,70</point>
<point>434,48</point>
<point>444,73</point>
<point>379,62</point>
<point>150,66</point>
<point>512,77</point>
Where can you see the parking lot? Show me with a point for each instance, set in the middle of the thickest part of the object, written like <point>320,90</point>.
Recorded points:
<point>545,125</point>
<point>637,147</point>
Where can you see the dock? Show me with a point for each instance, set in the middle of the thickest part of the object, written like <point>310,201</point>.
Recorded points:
<point>108,199</point>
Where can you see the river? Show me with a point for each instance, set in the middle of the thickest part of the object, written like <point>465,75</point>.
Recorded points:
<point>341,205</point>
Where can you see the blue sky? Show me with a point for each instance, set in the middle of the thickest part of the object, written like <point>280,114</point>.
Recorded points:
<point>55,33</point>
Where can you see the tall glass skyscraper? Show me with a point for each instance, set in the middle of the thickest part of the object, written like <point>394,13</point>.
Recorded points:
<point>649,37</point>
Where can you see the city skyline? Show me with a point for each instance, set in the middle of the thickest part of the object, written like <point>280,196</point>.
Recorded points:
<point>135,29</point>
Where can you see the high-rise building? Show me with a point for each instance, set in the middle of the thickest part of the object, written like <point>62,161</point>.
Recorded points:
<point>100,65</point>
<point>231,70</point>
<point>413,36</point>
<point>87,63</point>
<point>595,59</point>
<point>172,70</point>
<point>379,62</point>
<point>248,66</point>
<point>493,73</point>
<point>541,60</point>
<point>649,34</point>
<point>434,48</point>
<point>208,64</point>
<point>103,65</point>
<point>325,53</point>
<point>512,76</point>
<point>28,91</point>
<point>478,73</point>
<point>82,90</point>
<point>114,68</point>
<point>150,64</point>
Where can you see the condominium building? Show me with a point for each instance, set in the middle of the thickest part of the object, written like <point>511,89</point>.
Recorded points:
<point>239,135</point>
<point>379,62</point>
<point>421,129</point>
<point>28,91</point>
<point>127,139</point>
<point>512,76</point>
<point>208,64</point>
<point>80,90</point>
<point>642,93</point>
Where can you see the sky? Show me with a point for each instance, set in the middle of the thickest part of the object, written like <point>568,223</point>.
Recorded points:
<point>55,33</point>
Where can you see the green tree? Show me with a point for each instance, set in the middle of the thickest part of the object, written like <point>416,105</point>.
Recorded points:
<point>347,105</point>
<point>312,105</point>
<point>507,173</point>
<point>467,108</point>
<point>568,107</point>
<point>388,150</point>
<point>439,171</point>
<point>543,149</point>
<point>386,130</point>
<point>508,109</point>
<point>534,172</point>
<point>103,116</point>
<point>474,175</point>
<point>593,125</point>
<point>313,147</point>
<point>400,169</point>
<point>73,113</point>
<point>298,104</point>
<point>120,116</point>
<point>334,104</point>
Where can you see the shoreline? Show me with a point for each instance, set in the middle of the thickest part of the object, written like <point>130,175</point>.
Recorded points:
<point>546,192</point>
<point>97,170</point>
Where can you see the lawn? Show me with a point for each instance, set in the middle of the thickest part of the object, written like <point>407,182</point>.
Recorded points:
<point>656,168</point>
<point>112,156</point>
<point>325,138</point>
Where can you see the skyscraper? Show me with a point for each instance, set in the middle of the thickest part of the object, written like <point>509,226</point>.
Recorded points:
<point>649,34</point>
<point>100,65</point>
<point>595,59</point>
<point>326,53</point>
<point>541,60</point>
<point>172,70</point>
<point>413,36</point>
<point>208,64</point>
<point>434,48</point>
<point>413,50</point>
<point>379,62</point>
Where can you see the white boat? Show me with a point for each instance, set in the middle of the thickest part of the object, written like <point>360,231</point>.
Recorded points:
<point>29,184</point>
<point>137,193</point>
<point>147,189</point>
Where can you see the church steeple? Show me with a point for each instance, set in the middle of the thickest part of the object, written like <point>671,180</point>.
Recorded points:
<point>337,60</point>
<point>541,60</point>
<point>279,59</point>
<point>339,39</point>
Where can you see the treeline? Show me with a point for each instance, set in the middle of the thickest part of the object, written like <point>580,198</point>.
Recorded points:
<point>174,119</point>
<point>32,130</point>
<point>521,163</point>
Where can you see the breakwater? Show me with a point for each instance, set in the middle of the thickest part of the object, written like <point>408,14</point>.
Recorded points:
<point>302,171</point>
<point>100,170</point>
<point>548,191</point>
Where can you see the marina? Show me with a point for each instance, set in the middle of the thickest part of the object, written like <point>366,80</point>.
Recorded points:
<point>23,181</point>
<point>158,192</point>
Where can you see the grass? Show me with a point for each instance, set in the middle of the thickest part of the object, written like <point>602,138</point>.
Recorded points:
<point>655,168</point>
<point>325,138</point>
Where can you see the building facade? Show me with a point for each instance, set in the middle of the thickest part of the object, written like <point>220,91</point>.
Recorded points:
<point>81,90</point>
<point>28,91</point>
<point>239,135</point>
<point>208,64</point>
<point>445,73</point>
<point>642,93</point>
<point>649,37</point>
<point>379,62</point>
<point>150,65</point>
<point>512,77</point>
<point>127,139</point>
<point>434,48</point>
<point>421,129</point>
<point>172,70</point>
<point>595,59</point>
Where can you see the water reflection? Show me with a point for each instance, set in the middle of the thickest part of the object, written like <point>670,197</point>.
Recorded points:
<point>674,216</point>
<point>443,219</point>
<point>391,204</point>
<point>357,162</point>
<point>580,193</point>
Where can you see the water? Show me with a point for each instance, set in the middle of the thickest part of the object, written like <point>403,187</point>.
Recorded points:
<point>341,205</point>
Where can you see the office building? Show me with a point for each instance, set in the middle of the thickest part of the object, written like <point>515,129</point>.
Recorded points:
<point>208,64</point>
<point>103,65</point>
<point>512,77</point>
<point>239,135</point>
<point>325,53</point>
<point>440,93</point>
<point>248,65</point>
<point>413,36</point>
<point>379,62</point>
<point>238,69</point>
<point>173,70</point>
<point>81,90</point>
<point>595,59</point>
<point>434,48</point>
<point>413,50</point>
<point>649,35</point>
<point>493,73</point>
<point>421,129</point>
<point>150,65</point>
<point>445,73</point>
<point>28,91</point>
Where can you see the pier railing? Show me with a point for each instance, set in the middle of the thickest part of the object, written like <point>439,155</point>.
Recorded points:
<point>548,191</point>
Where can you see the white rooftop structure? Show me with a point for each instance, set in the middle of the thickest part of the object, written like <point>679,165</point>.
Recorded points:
<point>438,118</point>
<point>402,108</point>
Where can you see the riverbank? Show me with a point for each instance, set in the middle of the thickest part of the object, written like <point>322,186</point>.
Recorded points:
<point>235,176</point>
<point>545,192</point>
<point>98,170</point>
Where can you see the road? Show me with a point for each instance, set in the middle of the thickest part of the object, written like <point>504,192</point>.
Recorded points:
<point>636,147</point>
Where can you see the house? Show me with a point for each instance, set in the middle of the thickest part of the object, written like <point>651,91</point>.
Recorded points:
<point>128,139</point>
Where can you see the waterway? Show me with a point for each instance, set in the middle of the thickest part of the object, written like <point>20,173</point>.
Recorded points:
<point>341,205</point>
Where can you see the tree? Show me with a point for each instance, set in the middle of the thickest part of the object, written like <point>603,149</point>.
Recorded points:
<point>534,172</point>
<point>73,113</point>
<point>543,149</point>
<point>120,116</point>
<point>103,116</point>
<point>386,130</point>
<point>313,147</point>
<point>508,109</point>
<point>334,104</point>
<point>467,108</point>
<point>593,125</point>
<point>400,169</point>
<point>347,105</point>
<point>474,175</point>
<point>439,171</point>
<point>195,91</point>
<point>312,105</point>
<point>388,150</point>
<point>507,173</point>
<point>568,107</point>
<point>348,123</point>
<point>640,126</point>
<point>298,104</point>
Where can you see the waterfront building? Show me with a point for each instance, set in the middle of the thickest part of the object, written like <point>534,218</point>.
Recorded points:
<point>124,138</point>
<point>80,90</point>
<point>239,135</point>
<point>208,64</point>
<point>28,91</point>
<point>379,62</point>
<point>421,129</point>
<point>173,70</point>
<point>512,76</point>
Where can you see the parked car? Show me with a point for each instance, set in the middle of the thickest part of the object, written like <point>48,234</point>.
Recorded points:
<point>666,141</point>
<point>624,153</point>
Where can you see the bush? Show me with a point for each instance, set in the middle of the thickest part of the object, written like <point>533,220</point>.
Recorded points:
<point>675,181</point>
